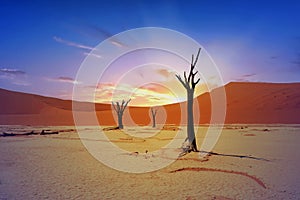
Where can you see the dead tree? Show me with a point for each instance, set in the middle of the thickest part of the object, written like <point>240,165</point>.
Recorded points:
<point>153,113</point>
<point>189,83</point>
<point>119,108</point>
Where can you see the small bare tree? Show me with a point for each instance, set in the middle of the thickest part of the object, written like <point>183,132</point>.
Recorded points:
<point>153,113</point>
<point>119,108</point>
<point>189,83</point>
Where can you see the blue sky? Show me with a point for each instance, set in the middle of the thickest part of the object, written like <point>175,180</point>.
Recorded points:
<point>42,44</point>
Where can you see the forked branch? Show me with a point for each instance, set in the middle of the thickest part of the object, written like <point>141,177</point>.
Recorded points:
<point>154,111</point>
<point>120,108</point>
<point>189,82</point>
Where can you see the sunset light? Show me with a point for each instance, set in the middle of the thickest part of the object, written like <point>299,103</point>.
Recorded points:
<point>159,99</point>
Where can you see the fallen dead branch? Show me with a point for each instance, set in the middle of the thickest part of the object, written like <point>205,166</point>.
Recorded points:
<point>4,134</point>
<point>48,132</point>
<point>111,128</point>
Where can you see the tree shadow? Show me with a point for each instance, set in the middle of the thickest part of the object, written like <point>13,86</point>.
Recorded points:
<point>234,155</point>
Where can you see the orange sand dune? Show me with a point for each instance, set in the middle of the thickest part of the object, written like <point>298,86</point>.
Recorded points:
<point>260,103</point>
<point>263,103</point>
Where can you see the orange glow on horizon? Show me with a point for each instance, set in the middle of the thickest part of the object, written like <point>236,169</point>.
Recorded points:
<point>151,94</point>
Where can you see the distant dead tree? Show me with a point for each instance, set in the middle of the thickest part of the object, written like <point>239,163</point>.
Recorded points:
<point>189,83</point>
<point>153,113</point>
<point>119,108</point>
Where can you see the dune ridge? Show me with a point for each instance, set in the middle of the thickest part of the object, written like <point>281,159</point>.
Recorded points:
<point>247,103</point>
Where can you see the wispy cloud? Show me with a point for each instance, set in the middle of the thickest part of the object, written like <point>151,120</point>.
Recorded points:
<point>92,54</point>
<point>15,76</point>
<point>63,79</point>
<point>241,80</point>
<point>165,72</point>
<point>248,75</point>
<point>155,88</point>
<point>73,44</point>
<point>144,96</point>
<point>116,43</point>
<point>158,73</point>
<point>296,61</point>
<point>274,57</point>
<point>103,33</point>
<point>12,71</point>
<point>106,34</point>
<point>244,78</point>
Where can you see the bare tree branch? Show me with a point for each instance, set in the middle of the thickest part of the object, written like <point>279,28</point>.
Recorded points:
<point>192,74</point>
<point>195,83</point>
<point>118,106</point>
<point>126,104</point>
<point>114,106</point>
<point>192,60</point>
<point>186,80</point>
<point>197,56</point>
<point>181,81</point>
<point>154,111</point>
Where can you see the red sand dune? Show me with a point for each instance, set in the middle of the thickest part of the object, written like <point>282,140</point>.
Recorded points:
<point>263,103</point>
<point>260,103</point>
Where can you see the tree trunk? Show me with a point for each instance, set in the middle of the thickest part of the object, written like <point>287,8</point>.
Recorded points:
<point>153,120</point>
<point>120,121</point>
<point>190,124</point>
<point>189,84</point>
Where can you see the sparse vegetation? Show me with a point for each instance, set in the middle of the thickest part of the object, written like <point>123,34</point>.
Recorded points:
<point>189,83</point>
<point>119,108</point>
<point>153,113</point>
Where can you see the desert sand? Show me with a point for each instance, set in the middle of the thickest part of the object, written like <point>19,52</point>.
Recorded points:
<point>252,162</point>
<point>256,156</point>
